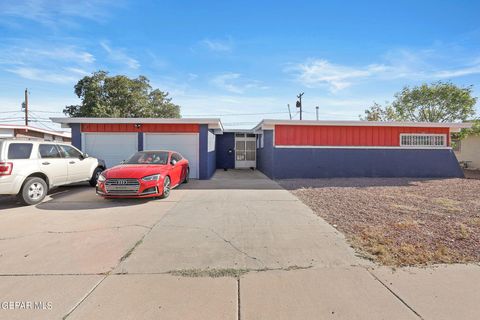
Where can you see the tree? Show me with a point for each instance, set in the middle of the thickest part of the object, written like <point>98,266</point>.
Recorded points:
<point>437,102</point>
<point>120,96</point>
<point>473,131</point>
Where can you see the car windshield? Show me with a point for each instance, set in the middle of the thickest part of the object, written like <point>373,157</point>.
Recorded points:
<point>148,157</point>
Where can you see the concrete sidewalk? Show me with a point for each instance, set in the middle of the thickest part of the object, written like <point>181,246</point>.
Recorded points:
<point>90,258</point>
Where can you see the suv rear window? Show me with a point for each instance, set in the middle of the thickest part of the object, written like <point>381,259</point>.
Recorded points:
<point>19,150</point>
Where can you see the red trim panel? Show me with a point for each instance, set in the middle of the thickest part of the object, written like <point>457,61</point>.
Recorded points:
<point>145,127</point>
<point>297,135</point>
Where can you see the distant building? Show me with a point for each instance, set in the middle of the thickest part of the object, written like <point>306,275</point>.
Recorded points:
<point>468,151</point>
<point>28,132</point>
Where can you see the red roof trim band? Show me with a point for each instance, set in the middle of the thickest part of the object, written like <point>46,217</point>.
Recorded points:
<point>144,127</point>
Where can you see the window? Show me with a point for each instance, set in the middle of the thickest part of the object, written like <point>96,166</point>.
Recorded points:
<point>176,157</point>
<point>423,140</point>
<point>19,150</point>
<point>70,152</point>
<point>259,141</point>
<point>149,157</point>
<point>49,151</point>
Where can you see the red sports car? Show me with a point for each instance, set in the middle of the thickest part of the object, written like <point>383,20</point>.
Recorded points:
<point>145,174</point>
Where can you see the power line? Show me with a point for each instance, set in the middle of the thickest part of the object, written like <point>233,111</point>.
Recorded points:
<point>17,111</point>
<point>43,111</point>
<point>34,117</point>
<point>232,114</point>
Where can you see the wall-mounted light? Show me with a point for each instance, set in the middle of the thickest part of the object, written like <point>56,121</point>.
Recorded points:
<point>137,125</point>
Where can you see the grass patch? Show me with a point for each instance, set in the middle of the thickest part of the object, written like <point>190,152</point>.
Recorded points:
<point>379,247</point>
<point>227,272</point>
<point>475,221</point>
<point>212,273</point>
<point>462,232</point>
<point>449,204</point>
<point>407,223</point>
<point>129,252</point>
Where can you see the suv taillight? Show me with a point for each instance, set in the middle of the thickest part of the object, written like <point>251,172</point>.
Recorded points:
<point>6,168</point>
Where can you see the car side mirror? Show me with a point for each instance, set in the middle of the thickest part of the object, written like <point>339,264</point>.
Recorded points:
<point>82,156</point>
<point>173,162</point>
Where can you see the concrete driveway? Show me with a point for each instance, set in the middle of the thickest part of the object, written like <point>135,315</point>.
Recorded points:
<point>77,256</point>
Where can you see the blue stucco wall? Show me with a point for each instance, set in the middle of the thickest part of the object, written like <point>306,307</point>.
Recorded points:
<point>212,159</point>
<point>207,160</point>
<point>329,163</point>
<point>203,152</point>
<point>76,135</point>
<point>265,154</point>
<point>224,142</point>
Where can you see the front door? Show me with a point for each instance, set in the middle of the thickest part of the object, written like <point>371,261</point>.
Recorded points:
<point>245,150</point>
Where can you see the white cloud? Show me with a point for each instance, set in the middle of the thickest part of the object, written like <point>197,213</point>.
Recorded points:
<point>401,64</point>
<point>55,12</point>
<point>218,45</point>
<point>235,83</point>
<point>44,75</point>
<point>337,77</point>
<point>118,55</point>
<point>46,62</point>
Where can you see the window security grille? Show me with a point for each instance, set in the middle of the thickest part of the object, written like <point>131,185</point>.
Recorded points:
<point>423,140</point>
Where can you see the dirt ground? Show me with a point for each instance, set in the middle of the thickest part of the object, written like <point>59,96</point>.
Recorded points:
<point>400,221</point>
<point>471,174</point>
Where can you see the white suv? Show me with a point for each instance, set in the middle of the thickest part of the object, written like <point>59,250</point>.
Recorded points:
<point>30,168</point>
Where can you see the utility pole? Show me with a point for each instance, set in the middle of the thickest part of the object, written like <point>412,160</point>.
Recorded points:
<point>299,103</point>
<point>26,107</point>
<point>289,112</point>
<point>316,109</point>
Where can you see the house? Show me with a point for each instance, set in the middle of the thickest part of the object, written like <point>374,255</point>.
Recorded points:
<point>279,148</point>
<point>467,151</point>
<point>29,132</point>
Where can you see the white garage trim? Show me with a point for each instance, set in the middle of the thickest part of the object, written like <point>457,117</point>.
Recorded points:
<point>187,144</point>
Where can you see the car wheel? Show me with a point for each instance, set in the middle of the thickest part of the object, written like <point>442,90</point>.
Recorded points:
<point>95,175</point>
<point>186,176</point>
<point>33,191</point>
<point>166,188</point>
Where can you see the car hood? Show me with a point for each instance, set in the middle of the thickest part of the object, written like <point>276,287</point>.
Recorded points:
<point>136,171</point>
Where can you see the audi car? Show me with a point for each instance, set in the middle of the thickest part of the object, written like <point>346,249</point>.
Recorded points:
<point>145,174</point>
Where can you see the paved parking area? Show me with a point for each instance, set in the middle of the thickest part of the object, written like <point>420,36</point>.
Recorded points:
<point>78,256</point>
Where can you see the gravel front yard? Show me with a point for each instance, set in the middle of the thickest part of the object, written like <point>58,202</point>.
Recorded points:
<point>400,221</point>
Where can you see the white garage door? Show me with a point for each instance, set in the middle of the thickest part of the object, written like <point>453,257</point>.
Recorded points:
<point>111,147</point>
<point>186,144</point>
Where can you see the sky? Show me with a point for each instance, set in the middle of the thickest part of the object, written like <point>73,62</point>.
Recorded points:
<point>241,61</point>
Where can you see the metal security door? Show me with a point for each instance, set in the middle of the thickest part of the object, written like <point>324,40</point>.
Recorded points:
<point>245,150</point>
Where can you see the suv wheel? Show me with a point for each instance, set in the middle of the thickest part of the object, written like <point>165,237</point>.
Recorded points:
<point>94,178</point>
<point>33,191</point>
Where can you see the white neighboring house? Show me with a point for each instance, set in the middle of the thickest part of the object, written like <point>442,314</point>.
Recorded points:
<point>9,131</point>
<point>468,151</point>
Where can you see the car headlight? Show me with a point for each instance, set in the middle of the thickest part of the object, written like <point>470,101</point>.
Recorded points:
<point>154,177</point>
<point>101,178</point>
